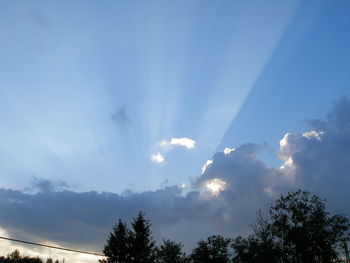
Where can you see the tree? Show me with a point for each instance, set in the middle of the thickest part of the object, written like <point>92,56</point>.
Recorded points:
<point>305,230</point>
<point>259,247</point>
<point>117,248</point>
<point>16,257</point>
<point>214,250</point>
<point>142,249</point>
<point>170,252</point>
<point>299,230</point>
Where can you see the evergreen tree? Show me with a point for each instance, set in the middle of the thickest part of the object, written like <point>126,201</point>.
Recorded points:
<point>142,249</point>
<point>117,248</point>
<point>170,252</point>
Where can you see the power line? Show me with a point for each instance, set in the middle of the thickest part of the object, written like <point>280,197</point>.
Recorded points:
<point>54,247</point>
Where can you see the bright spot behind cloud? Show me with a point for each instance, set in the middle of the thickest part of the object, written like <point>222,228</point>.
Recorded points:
<point>215,186</point>
<point>185,142</point>
<point>287,164</point>
<point>158,158</point>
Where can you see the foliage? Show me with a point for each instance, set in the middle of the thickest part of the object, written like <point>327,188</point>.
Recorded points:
<point>16,257</point>
<point>260,247</point>
<point>214,250</point>
<point>170,252</point>
<point>117,249</point>
<point>142,246</point>
<point>130,246</point>
<point>299,230</point>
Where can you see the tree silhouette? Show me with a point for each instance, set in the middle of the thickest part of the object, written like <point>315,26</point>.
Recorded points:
<point>142,248</point>
<point>117,248</point>
<point>260,247</point>
<point>296,229</point>
<point>16,257</point>
<point>305,230</point>
<point>214,250</point>
<point>170,252</point>
<point>299,230</point>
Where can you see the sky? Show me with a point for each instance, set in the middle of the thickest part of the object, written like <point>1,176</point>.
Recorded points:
<point>196,112</point>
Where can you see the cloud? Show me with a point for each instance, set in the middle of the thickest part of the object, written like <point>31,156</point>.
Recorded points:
<point>228,150</point>
<point>206,165</point>
<point>83,220</point>
<point>169,145</point>
<point>158,158</point>
<point>185,142</point>
<point>40,20</point>
<point>121,117</point>
<point>45,186</point>
<point>223,200</point>
<point>44,253</point>
<point>319,159</point>
<point>215,186</point>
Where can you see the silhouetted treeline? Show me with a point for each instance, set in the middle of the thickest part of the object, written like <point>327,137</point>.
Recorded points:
<point>296,229</point>
<point>16,257</point>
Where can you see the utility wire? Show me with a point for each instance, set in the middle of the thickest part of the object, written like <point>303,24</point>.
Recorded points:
<point>54,247</point>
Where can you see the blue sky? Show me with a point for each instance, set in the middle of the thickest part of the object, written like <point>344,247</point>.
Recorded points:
<point>91,90</point>
<point>218,73</point>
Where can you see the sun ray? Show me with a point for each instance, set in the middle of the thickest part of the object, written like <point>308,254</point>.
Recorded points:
<point>253,42</point>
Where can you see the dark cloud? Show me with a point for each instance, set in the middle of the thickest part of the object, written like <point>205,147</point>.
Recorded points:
<point>317,160</point>
<point>47,186</point>
<point>84,219</point>
<point>321,158</point>
<point>121,117</point>
<point>40,20</point>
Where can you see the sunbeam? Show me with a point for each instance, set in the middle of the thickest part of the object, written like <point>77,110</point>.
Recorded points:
<point>175,109</point>
<point>253,39</point>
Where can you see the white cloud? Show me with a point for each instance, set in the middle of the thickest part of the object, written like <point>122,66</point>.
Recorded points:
<point>228,150</point>
<point>287,164</point>
<point>158,158</point>
<point>185,142</point>
<point>169,145</point>
<point>283,142</point>
<point>313,135</point>
<point>206,165</point>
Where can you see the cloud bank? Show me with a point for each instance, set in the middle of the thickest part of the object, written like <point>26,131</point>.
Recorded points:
<point>223,200</point>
